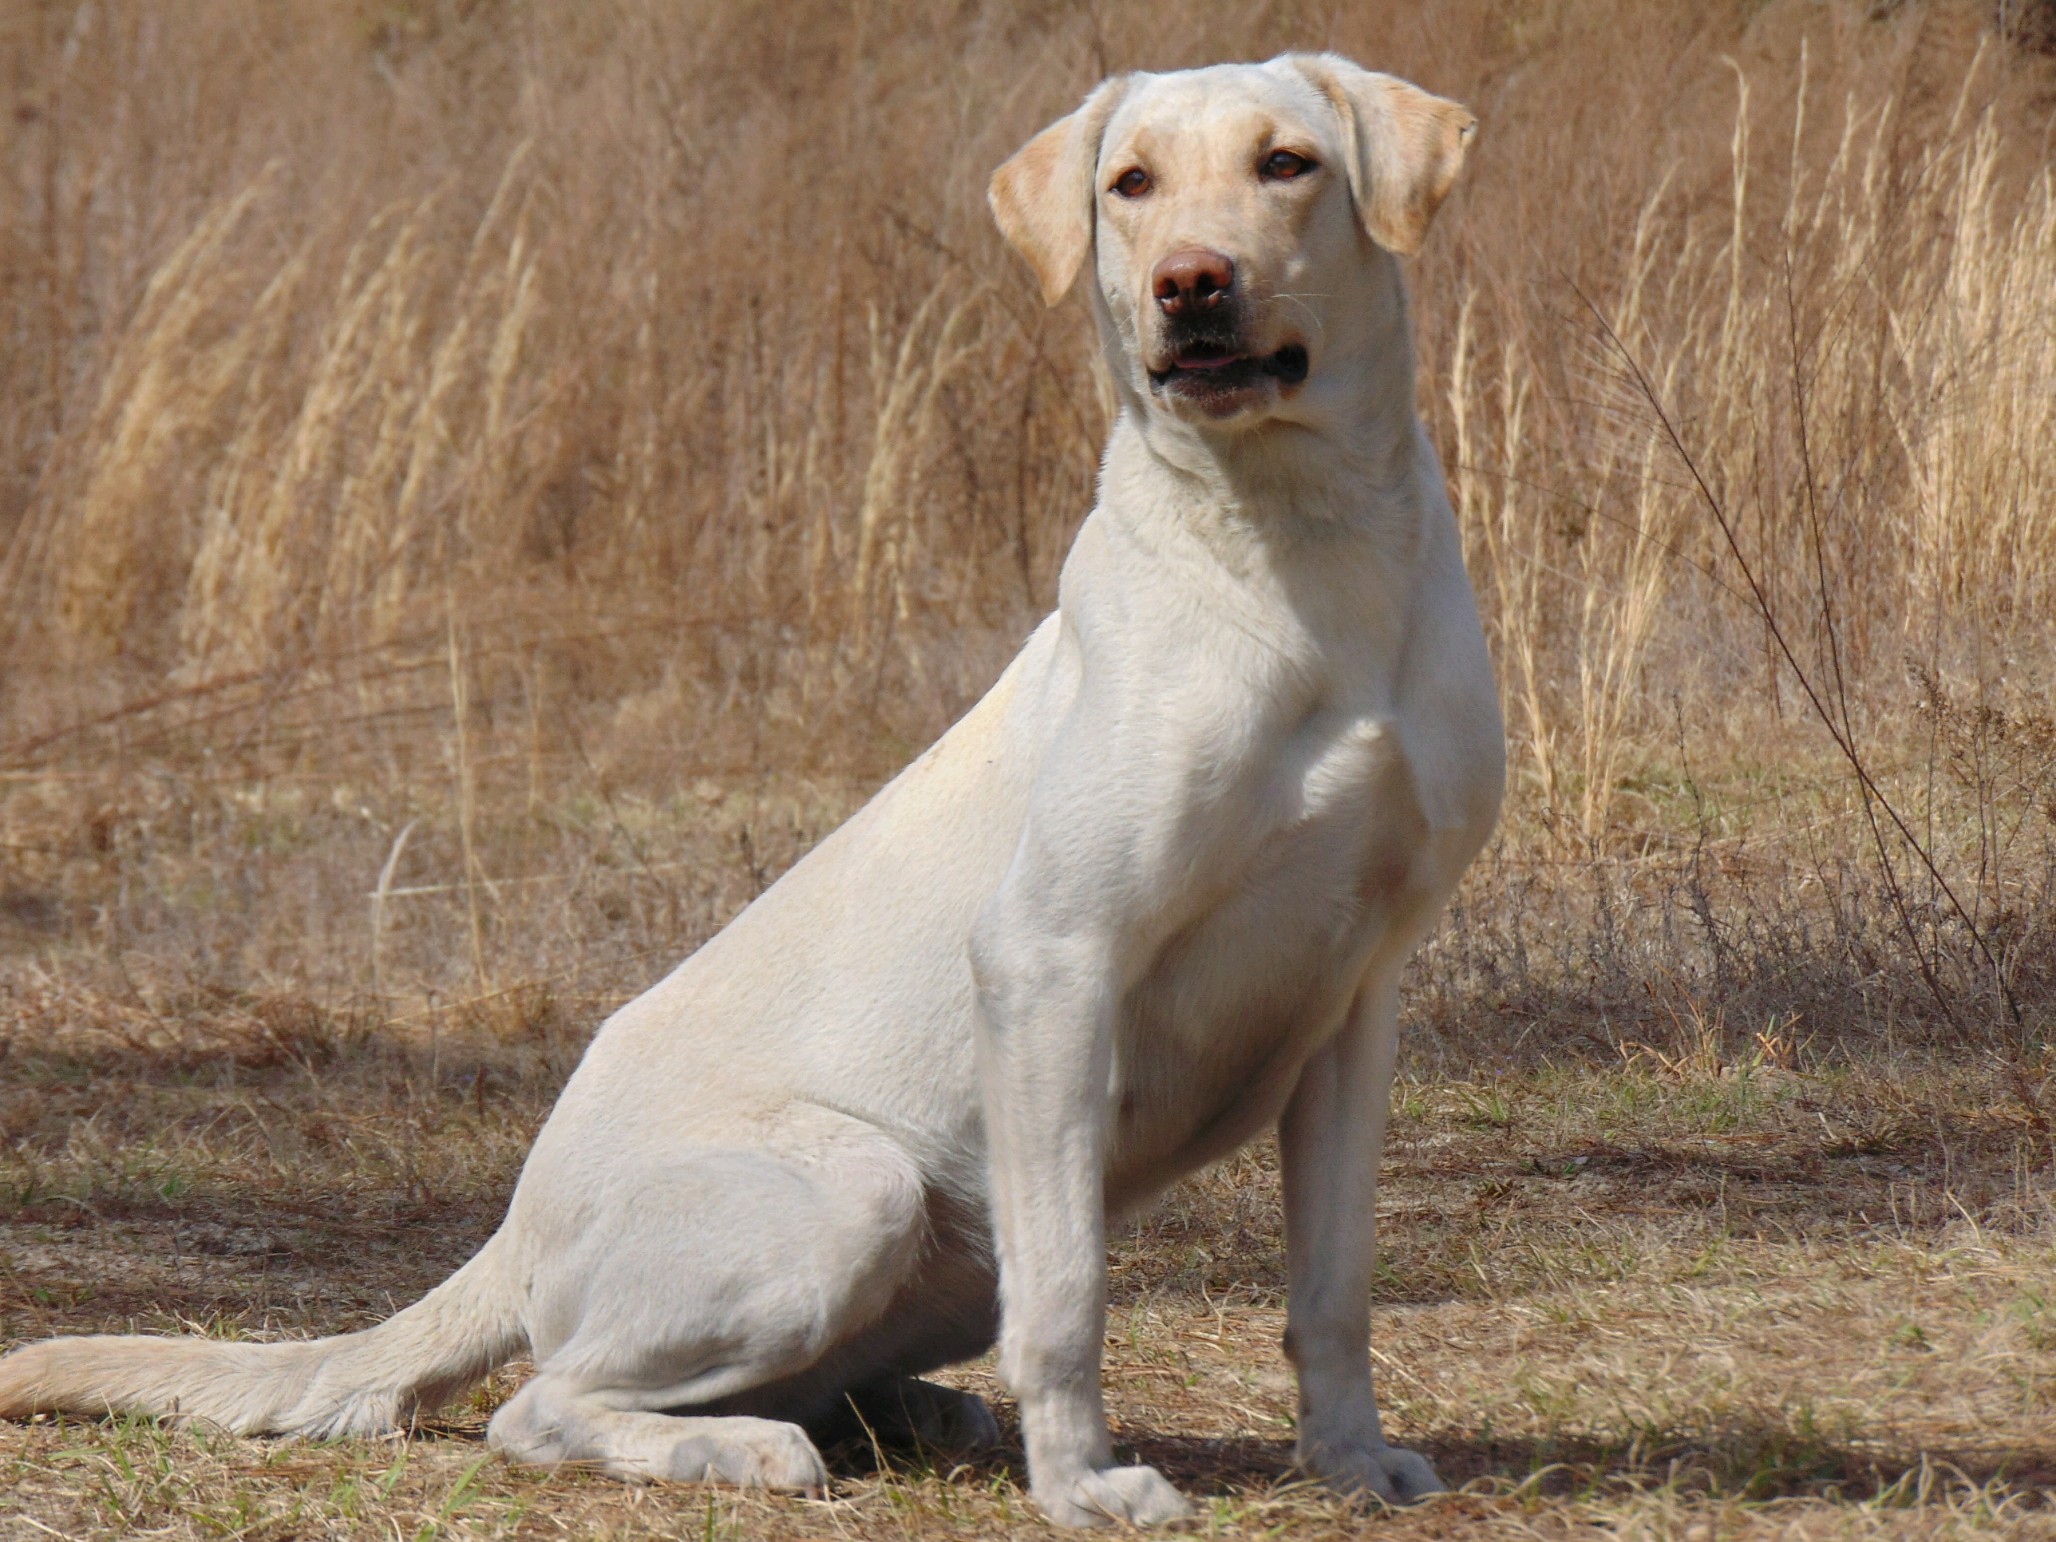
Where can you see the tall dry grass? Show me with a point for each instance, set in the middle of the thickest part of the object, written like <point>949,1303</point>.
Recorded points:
<point>456,412</point>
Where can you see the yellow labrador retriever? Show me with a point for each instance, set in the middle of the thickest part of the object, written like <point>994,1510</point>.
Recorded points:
<point>1148,898</point>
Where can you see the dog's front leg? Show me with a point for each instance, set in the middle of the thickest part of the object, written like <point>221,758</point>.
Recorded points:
<point>1329,1139</point>
<point>1045,1048</point>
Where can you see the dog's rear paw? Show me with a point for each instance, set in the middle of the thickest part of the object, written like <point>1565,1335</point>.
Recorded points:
<point>1394,1474</point>
<point>749,1453</point>
<point>1136,1496</point>
<point>955,1423</point>
<point>906,1412</point>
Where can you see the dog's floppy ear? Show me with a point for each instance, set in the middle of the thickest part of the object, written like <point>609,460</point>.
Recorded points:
<point>1406,147</point>
<point>1045,196</point>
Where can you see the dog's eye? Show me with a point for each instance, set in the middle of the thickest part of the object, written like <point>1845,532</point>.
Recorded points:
<point>1132,183</point>
<point>1283,166</point>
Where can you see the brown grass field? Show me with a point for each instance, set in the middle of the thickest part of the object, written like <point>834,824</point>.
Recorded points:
<point>485,484</point>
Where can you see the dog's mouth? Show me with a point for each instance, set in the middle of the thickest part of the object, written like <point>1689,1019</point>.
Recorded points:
<point>1212,374</point>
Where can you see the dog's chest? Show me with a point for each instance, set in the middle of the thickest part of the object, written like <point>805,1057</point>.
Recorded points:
<point>1213,1036</point>
<point>1335,829</point>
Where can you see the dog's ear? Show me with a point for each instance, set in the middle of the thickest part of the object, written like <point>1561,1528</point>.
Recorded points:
<point>1406,147</point>
<point>1044,198</point>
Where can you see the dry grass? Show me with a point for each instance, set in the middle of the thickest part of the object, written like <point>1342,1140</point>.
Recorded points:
<point>485,484</point>
<point>1681,1292</point>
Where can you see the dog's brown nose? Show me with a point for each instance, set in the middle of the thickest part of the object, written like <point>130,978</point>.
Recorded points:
<point>1192,279</point>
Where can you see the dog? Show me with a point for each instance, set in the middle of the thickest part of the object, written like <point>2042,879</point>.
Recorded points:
<point>1150,897</point>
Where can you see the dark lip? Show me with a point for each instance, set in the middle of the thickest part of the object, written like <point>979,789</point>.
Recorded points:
<point>1206,371</point>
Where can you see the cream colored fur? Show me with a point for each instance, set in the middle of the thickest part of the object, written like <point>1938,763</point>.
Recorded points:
<point>1150,897</point>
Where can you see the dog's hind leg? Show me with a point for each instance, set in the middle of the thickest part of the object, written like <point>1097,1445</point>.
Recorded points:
<point>710,1277</point>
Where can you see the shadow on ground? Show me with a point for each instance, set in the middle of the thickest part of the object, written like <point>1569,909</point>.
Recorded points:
<point>1751,1462</point>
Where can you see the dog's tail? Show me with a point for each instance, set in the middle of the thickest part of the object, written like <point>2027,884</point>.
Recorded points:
<point>355,1384</point>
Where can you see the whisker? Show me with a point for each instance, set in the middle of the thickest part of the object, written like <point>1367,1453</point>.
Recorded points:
<point>1299,300</point>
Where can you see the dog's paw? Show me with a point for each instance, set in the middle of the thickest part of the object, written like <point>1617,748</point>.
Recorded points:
<point>955,1423</point>
<point>749,1453</point>
<point>1105,1496</point>
<point>1395,1475</point>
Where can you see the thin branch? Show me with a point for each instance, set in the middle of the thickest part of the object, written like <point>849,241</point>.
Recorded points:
<point>1842,736</point>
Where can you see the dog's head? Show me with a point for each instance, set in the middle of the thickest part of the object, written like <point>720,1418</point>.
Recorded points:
<point>1236,215</point>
